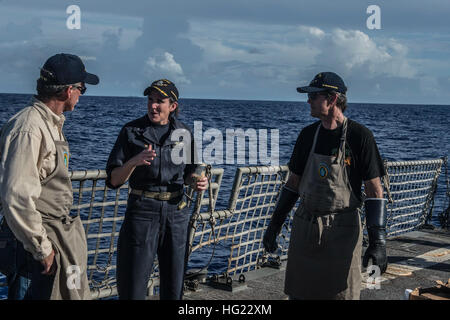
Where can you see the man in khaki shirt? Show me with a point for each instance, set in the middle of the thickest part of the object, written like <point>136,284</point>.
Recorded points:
<point>29,161</point>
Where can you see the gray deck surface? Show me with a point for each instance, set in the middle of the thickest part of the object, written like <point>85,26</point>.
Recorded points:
<point>416,259</point>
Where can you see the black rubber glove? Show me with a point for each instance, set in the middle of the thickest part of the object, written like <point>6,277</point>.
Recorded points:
<point>285,203</point>
<point>376,229</point>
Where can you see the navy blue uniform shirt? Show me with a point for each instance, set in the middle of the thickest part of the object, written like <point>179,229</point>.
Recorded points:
<point>162,174</point>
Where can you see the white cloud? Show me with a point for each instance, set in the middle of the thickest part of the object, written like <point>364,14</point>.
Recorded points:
<point>288,55</point>
<point>316,32</point>
<point>165,66</point>
<point>251,42</point>
<point>231,51</point>
<point>356,51</point>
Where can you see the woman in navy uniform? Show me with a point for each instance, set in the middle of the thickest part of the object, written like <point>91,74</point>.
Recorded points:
<point>154,222</point>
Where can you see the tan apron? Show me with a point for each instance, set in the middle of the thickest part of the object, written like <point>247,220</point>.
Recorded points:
<point>324,258</point>
<point>66,233</point>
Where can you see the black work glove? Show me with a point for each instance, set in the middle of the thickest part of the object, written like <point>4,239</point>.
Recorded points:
<point>270,239</point>
<point>285,203</point>
<point>377,249</point>
<point>376,229</point>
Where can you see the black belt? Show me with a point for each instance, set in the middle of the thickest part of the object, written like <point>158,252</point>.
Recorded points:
<point>164,196</point>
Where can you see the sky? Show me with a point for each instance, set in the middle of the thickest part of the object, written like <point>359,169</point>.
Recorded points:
<point>236,49</point>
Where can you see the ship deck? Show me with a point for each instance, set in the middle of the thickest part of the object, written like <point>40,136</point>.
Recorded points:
<point>416,259</point>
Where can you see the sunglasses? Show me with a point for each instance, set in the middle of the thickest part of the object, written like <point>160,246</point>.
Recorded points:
<point>81,88</point>
<point>314,95</point>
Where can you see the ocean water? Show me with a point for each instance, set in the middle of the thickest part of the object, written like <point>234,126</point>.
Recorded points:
<point>402,132</point>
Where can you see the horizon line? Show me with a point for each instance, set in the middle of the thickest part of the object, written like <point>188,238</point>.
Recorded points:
<point>262,100</point>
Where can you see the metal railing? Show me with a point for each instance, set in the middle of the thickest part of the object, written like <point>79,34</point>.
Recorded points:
<point>412,186</point>
<point>240,230</point>
<point>102,212</point>
<point>233,235</point>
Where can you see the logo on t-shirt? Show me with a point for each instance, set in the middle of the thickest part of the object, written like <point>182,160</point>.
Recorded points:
<point>348,158</point>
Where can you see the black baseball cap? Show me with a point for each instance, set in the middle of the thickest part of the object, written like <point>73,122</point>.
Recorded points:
<point>64,68</point>
<point>165,87</point>
<point>325,81</point>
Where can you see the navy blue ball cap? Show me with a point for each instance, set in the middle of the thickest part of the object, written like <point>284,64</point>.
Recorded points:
<point>64,68</point>
<point>164,87</point>
<point>325,81</point>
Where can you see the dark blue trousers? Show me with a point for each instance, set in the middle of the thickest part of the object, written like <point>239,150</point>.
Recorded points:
<point>14,264</point>
<point>39,286</point>
<point>152,227</point>
<point>26,282</point>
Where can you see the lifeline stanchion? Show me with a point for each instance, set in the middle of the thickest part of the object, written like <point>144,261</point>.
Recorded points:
<point>444,216</point>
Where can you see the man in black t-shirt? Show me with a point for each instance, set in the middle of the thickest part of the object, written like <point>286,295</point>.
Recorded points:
<point>362,158</point>
<point>331,159</point>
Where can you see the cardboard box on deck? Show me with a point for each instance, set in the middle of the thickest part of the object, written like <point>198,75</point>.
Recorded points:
<point>440,292</point>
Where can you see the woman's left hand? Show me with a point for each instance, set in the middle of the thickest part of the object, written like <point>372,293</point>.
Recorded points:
<point>201,184</point>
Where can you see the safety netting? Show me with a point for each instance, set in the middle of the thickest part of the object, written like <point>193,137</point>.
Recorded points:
<point>230,240</point>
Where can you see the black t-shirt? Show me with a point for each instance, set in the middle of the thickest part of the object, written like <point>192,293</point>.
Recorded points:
<point>362,158</point>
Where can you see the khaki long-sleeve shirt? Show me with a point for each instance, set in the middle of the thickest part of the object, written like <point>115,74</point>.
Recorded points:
<point>27,156</point>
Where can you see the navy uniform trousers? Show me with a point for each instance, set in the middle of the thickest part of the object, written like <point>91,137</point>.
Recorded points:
<point>152,227</point>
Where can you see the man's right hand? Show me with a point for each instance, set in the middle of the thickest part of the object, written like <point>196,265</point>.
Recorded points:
<point>376,252</point>
<point>49,264</point>
<point>376,218</point>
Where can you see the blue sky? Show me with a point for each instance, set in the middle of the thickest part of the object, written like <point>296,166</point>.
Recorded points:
<point>236,49</point>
